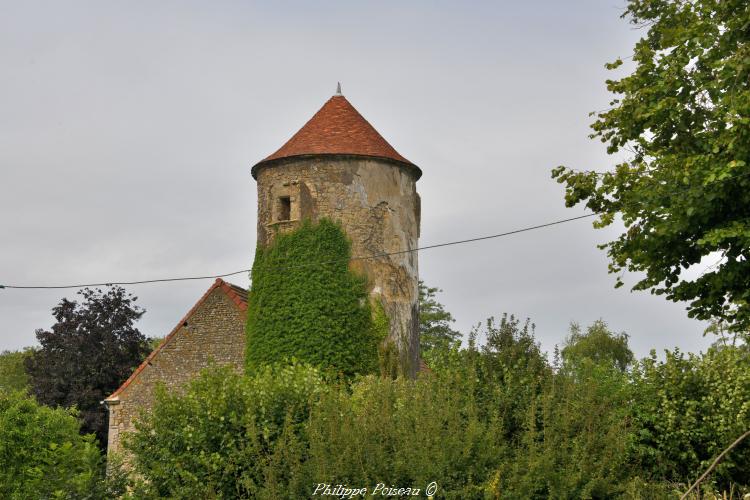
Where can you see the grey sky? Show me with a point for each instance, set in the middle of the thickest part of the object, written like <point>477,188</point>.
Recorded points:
<point>128,129</point>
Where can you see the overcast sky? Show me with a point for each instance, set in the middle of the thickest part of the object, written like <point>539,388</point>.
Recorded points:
<point>128,129</point>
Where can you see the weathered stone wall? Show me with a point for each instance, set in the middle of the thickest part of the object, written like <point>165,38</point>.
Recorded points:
<point>215,331</point>
<point>376,202</point>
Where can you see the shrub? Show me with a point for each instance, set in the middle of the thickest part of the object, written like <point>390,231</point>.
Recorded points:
<point>222,437</point>
<point>574,440</point>
<point>405,433</point>
<point>42,454</point>
<point>489,422</point>
<point>687,409</point>
<point>13,375</point>
<point>512,371</point>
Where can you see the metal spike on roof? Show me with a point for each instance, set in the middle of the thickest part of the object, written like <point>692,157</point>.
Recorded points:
<point>338,89</point>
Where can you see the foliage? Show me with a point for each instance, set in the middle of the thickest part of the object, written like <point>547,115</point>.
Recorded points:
<point>574,440</point>
<point>306,303</point>
<point>512,370</point>
<point>724,337</point>
<point>154,342</point>
<point>434,321</point>
<point>688,409</point>
<point>220,439</point>
<point>13,375</point>
<point>89,351</point>
<point>42,453</point>
<point>403,432</point>
<point>489,421</point>
<point>684,194</point>
<point>445,427</point>
<point>599,345</point>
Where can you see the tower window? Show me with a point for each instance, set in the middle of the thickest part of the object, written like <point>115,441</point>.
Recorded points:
<point>285,208</point>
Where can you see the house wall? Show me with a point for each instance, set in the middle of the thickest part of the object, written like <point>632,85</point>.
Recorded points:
<point>214,331</point>
<point>377,204</point>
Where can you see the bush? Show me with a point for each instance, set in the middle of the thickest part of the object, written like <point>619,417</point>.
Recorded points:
<point>575,438</point>
<point>490,422</point>
<point>42,454</point>
<point>13,375</point>
<point>511,370</point>
<point>404,433</point>
<point>221,438</point>
<point>455,425</point>
<point>306,303</point>
<point>687,409</point>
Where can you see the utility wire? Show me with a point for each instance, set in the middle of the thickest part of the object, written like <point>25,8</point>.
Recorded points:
<point>109,283</point>
<point>362,257</point>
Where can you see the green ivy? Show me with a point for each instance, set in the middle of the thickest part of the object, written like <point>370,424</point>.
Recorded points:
<point>306,303</point>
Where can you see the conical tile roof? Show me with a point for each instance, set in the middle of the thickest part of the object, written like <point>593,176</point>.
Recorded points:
<point>337,129</point>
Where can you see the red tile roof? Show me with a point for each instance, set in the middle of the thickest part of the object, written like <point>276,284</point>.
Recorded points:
<point>236,294</point>
<point>338,129</point>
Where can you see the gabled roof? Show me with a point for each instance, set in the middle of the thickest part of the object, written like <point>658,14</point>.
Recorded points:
<point>235,293</point>
<point>337,129</point>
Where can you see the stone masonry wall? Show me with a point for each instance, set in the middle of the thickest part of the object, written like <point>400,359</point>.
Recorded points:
<point>376,202</point>
<point>215,331</point>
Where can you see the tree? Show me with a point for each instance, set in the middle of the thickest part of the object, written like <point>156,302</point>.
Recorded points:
<point>434,321</point>
<point>42,454</point>
<point>155,342</point>
<point>599,345</point>
<point>90,350</point>
<point>512,369</point>
<point>12,372</point>
<point>683,192</point>
<point>726,338</point>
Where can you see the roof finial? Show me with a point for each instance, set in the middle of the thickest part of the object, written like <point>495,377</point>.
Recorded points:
<point>338,89</point>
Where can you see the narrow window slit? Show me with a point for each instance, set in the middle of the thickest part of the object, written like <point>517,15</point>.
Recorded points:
<point>285,208</point>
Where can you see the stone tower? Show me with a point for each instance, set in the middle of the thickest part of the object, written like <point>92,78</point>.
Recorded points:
<point>338,166</point>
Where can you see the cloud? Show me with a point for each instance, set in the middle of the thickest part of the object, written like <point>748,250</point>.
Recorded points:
<point>127,133</point>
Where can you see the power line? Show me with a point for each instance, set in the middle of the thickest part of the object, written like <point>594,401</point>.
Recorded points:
<point>362,257</point>
<point>481,238</point>
<point>142,282</point>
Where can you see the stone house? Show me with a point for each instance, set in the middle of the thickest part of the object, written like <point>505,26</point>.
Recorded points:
<point>213,330</point>
<point>336,166</point>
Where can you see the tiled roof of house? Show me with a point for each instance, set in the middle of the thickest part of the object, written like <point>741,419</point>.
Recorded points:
<point>338,129</point>
<point>235,293</point>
